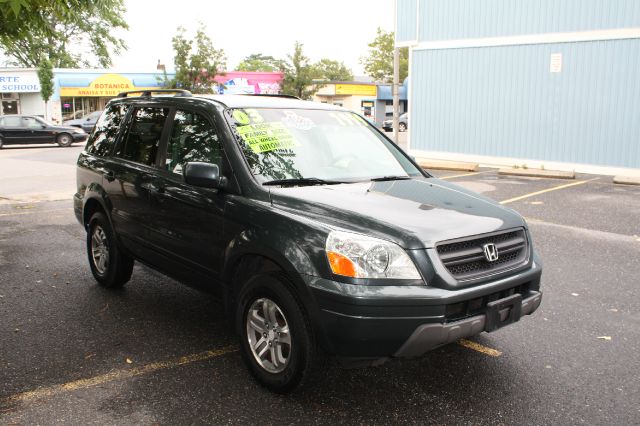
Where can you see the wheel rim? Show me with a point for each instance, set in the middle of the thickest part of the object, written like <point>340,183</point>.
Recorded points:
<point>64,139</point>
<point>268,335</point>
<point>100,250</point>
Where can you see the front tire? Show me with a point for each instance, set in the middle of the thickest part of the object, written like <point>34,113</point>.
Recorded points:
<point>64,139</point>
<point>110,267</point>
<point>276,340</point>
<point>402,127</point>
<point>1,143</point>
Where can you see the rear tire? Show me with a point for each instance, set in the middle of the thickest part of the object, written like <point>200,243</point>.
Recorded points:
<point>402,127</point>
<point>1,143</point>
<point>284,334</point>
<point>64,139</point>
<point>110,267</point>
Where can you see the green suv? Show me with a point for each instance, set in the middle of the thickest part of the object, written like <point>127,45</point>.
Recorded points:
<point>323,238</point>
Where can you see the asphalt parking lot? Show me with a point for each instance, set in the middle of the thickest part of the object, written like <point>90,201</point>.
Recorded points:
<point>158,352</point>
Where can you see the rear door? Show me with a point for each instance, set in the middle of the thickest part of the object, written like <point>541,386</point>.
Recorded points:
<point>12,129</point>
<point>128,175</point>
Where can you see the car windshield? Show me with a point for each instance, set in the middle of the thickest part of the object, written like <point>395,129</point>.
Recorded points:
<point>315,144</point>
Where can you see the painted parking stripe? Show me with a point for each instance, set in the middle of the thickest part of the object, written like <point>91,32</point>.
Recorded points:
<point>555,188</point>
<point>465,174</point>
<point>479,348</point>
<point>46,392</point>
<point>34,212</point>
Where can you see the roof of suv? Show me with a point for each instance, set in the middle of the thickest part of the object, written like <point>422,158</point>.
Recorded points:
<point>258,101</point>
<point>243,101</point>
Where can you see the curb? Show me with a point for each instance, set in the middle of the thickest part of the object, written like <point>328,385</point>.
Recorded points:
<point>627,180</point>
<point>557,174</point>
<point>447,165</point>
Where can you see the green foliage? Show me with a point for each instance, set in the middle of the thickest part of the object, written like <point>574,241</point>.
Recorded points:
<point>196,62</point>
<point>298,77</point>
<point>33,30</point>
<point>330,70</point>
<point>378,64</point>
<point>45,75</point>
<point>260,62</point>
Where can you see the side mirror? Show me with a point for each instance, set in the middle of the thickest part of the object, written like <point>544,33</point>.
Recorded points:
<point>205,175</point>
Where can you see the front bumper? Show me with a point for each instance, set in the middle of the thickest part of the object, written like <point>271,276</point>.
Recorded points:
<point>403,321</point>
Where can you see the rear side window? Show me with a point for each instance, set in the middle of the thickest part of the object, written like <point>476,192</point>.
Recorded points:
<point>104,134</point>
<point>192,139</point>
<point>141,142</point>
<point>11,122</point>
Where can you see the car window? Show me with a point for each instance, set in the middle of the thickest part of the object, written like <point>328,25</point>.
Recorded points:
<point>106,129</point>
<point>192,139</point>
<point>94,115</point>
<point>308,143</point>
<point>31,123</point>
<point>141,142</point>
<point>12,122</point>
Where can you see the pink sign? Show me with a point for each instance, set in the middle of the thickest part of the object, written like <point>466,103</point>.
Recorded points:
<point>236,82</point>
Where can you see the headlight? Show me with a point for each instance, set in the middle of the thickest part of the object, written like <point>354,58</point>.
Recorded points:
<point>359,256</point>
<point>78,130</point>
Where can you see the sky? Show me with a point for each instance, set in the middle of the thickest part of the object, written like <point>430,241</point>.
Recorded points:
<point>333,29</point>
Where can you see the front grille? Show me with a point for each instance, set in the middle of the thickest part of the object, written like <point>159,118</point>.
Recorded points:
<point>469,308</point>
<point>465,258</point>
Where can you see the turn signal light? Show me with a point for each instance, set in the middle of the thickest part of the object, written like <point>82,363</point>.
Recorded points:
<point>341,265</point>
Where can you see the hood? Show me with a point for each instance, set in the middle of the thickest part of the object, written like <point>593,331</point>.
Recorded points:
<point>414,213</point>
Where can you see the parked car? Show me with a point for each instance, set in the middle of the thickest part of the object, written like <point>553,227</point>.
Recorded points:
<point>403,123</point>
<point>85,123</point>
<point>321,236</point>
<point>29,129</point>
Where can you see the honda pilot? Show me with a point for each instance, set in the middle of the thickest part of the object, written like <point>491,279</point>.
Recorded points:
<point>323,238</point>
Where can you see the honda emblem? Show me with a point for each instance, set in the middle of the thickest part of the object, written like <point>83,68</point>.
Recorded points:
<point>490,252</point>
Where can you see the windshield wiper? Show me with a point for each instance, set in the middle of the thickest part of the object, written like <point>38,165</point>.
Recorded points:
<point>302,181</point>
<point>384,178</point>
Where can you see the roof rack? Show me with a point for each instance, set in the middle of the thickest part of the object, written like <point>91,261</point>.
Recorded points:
<point>273,95</point>
<point>180,93</point>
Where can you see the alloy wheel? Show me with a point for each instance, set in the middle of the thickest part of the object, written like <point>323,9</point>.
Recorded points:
<point>268,334</point>
<point>100,250</point>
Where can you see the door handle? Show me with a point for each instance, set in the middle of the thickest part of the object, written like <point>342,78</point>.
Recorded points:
<point>109,175</point>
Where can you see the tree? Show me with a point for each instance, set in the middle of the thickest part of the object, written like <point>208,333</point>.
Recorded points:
<point>260,62</point>
<point>298,77</point>
<point>33,30</point>
<point>378,64</point>
<point>327,69</point>
<point>196,62</point>
<point>45,75</point>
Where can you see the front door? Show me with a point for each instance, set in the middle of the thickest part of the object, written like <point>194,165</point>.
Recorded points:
<point>187,222</point>
<point>36,131</point>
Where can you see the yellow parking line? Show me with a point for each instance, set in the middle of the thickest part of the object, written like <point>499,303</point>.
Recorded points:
<point>480,348</point>
<point>464,174</point>
<point>33,212</point>
<point>555,188</point>
<point>50,391</point>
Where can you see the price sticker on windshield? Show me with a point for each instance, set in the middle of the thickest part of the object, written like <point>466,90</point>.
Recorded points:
<point>266,137</point>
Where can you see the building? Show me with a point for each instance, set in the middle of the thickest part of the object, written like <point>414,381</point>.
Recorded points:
<point>552,82</point>
<point>358,97</point>
<point>78,92</point>
<point>20,92</point>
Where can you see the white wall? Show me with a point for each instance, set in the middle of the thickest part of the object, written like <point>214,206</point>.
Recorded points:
<point>31,103</point>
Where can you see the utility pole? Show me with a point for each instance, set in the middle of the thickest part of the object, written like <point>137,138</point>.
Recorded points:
<point>396,94</point>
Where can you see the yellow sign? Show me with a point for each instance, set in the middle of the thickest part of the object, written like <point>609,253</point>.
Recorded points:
<point>108,85</point>
<point>265,137</point>
<point>356,89</point>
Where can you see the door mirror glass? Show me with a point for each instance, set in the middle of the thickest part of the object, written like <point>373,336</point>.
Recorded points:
<point>205,175</point>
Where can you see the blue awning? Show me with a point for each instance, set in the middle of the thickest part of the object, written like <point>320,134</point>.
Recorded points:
<point>385,93</point>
